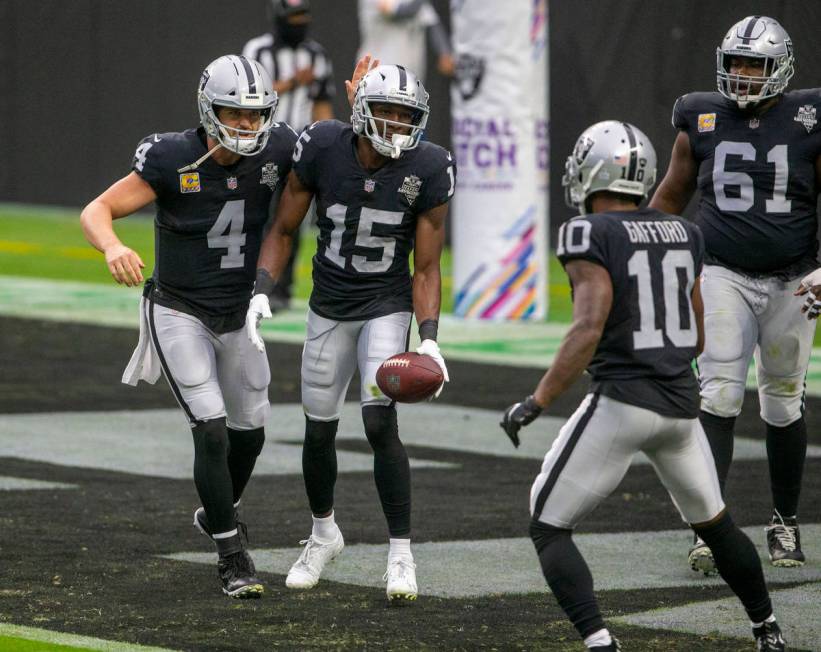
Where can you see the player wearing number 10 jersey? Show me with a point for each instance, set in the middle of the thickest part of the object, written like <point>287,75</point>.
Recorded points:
<point>754,153</point>
<point>381,193</point>
<point>637,325</point>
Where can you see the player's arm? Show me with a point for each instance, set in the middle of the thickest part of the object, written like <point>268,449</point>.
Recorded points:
<point>126,196</point>
<point>363,66</point>
<point>592,300</point>
<point>427,282</point>
<point>698,311</point>
<point>811,283</point>
<point>679,184</point>
<point>276,248</point>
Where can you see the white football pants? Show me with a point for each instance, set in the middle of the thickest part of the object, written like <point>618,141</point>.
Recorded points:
<point>593,451</point>
<point>758,318</point>
<point>211,375</point>
<point>335,349</point>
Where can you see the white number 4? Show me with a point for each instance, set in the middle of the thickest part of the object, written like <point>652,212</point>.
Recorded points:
<point>230,219</point>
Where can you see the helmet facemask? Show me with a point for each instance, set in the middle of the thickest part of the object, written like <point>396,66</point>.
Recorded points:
<point>739,88</point>
<point>376,129</point>
<point>245,142</point>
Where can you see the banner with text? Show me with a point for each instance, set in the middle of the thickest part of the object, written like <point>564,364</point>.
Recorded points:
<point>499,102</point>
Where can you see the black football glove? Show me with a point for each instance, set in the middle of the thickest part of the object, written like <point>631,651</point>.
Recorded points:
<point>518,415</point>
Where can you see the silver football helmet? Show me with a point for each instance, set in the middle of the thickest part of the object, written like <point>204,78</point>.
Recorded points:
<point>757,37</point>
<point>238,82</point>
<point>613,156</point>
<point>390,84</point>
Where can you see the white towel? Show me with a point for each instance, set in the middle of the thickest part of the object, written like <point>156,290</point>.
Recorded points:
<point>144,363</point>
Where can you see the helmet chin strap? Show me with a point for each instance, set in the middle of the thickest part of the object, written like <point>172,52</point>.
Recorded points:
<point>200,160</point>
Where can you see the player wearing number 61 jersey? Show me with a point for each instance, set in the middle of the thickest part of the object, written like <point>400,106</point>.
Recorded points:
<point>754,153</point>
<point>381,193</point>
<point>637,325</point>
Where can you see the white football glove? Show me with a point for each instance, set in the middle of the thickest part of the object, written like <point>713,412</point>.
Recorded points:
<point>258,309</point>
<point>812,306</point>
<point>431,348</point>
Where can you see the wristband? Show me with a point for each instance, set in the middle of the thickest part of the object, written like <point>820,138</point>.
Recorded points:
<point>264,283</point>
<point>428,329</point>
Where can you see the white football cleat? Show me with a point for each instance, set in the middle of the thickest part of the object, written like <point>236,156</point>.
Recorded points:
<point>401,579</point>
<point>305,572</point>
<point>701,558</point>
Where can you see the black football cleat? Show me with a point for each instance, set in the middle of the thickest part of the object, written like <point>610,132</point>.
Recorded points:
<point>768,638</point>
<point>784,542</point>
<point>615,646</point>
<point>236,572</point>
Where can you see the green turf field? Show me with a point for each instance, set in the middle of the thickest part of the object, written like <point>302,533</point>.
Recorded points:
<point>11,644</point>
<point>44,242</point>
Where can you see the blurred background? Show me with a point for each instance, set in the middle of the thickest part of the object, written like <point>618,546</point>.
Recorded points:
<point>84,81</point>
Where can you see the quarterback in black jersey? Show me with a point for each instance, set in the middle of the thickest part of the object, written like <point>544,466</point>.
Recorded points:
<point>381,194</point>
<point>754,153</point>
<point>637,325</point>
<point>212,187</point>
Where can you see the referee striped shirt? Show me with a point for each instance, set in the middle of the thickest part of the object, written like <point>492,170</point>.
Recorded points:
<point>282,61</point>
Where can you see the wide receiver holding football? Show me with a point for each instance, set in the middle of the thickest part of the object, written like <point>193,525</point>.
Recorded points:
<point>754,152</point>
<point>380,193</point>
<point>637,325</point>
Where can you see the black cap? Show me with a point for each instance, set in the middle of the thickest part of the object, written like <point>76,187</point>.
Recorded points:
<point>286,8</point>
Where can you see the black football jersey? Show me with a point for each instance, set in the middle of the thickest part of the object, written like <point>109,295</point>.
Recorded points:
<point>757,179</point>
<point>367,219</point>
<point>209,221</point>
<point>650,337</point>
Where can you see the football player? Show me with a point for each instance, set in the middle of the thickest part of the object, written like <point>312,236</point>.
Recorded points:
<point>381,193</point>
<point>754,153</point>
<point>637,325</point>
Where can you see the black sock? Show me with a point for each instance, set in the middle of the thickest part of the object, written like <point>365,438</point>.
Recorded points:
<point>319,464</point>
<point>786,451</point>
<point>568,576</point>
<point>391,469</point>
<point>211,475</point>
<point>245,446</point>
<point>719,431</point>
<point>738,563</point>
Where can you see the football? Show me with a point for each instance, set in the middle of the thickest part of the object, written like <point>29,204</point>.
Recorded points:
<point>409,377</point>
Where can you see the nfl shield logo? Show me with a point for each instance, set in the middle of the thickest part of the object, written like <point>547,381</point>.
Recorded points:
<point>231,183</point>
<point>370,185</point>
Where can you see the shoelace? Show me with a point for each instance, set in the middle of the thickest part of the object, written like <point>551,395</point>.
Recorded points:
<point>305,557</point>
<point>403,564</point>
<point>785,534</point>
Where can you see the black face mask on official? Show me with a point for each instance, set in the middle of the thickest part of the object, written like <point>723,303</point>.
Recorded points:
<point>292,35</point>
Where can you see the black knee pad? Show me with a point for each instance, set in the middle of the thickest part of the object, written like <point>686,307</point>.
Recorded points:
<point>247,442</point>
<point>381,427</point>
<point>543,534</point>
<point>210,438</point>
<point>320,435</point>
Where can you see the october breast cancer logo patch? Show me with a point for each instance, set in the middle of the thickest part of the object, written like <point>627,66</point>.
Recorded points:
<point>189,182</point>
<point>706,122</point>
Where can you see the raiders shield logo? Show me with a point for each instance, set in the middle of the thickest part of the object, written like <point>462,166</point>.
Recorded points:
<point>270,175</point>
<point>806,116</point>
<point>469,73</point>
